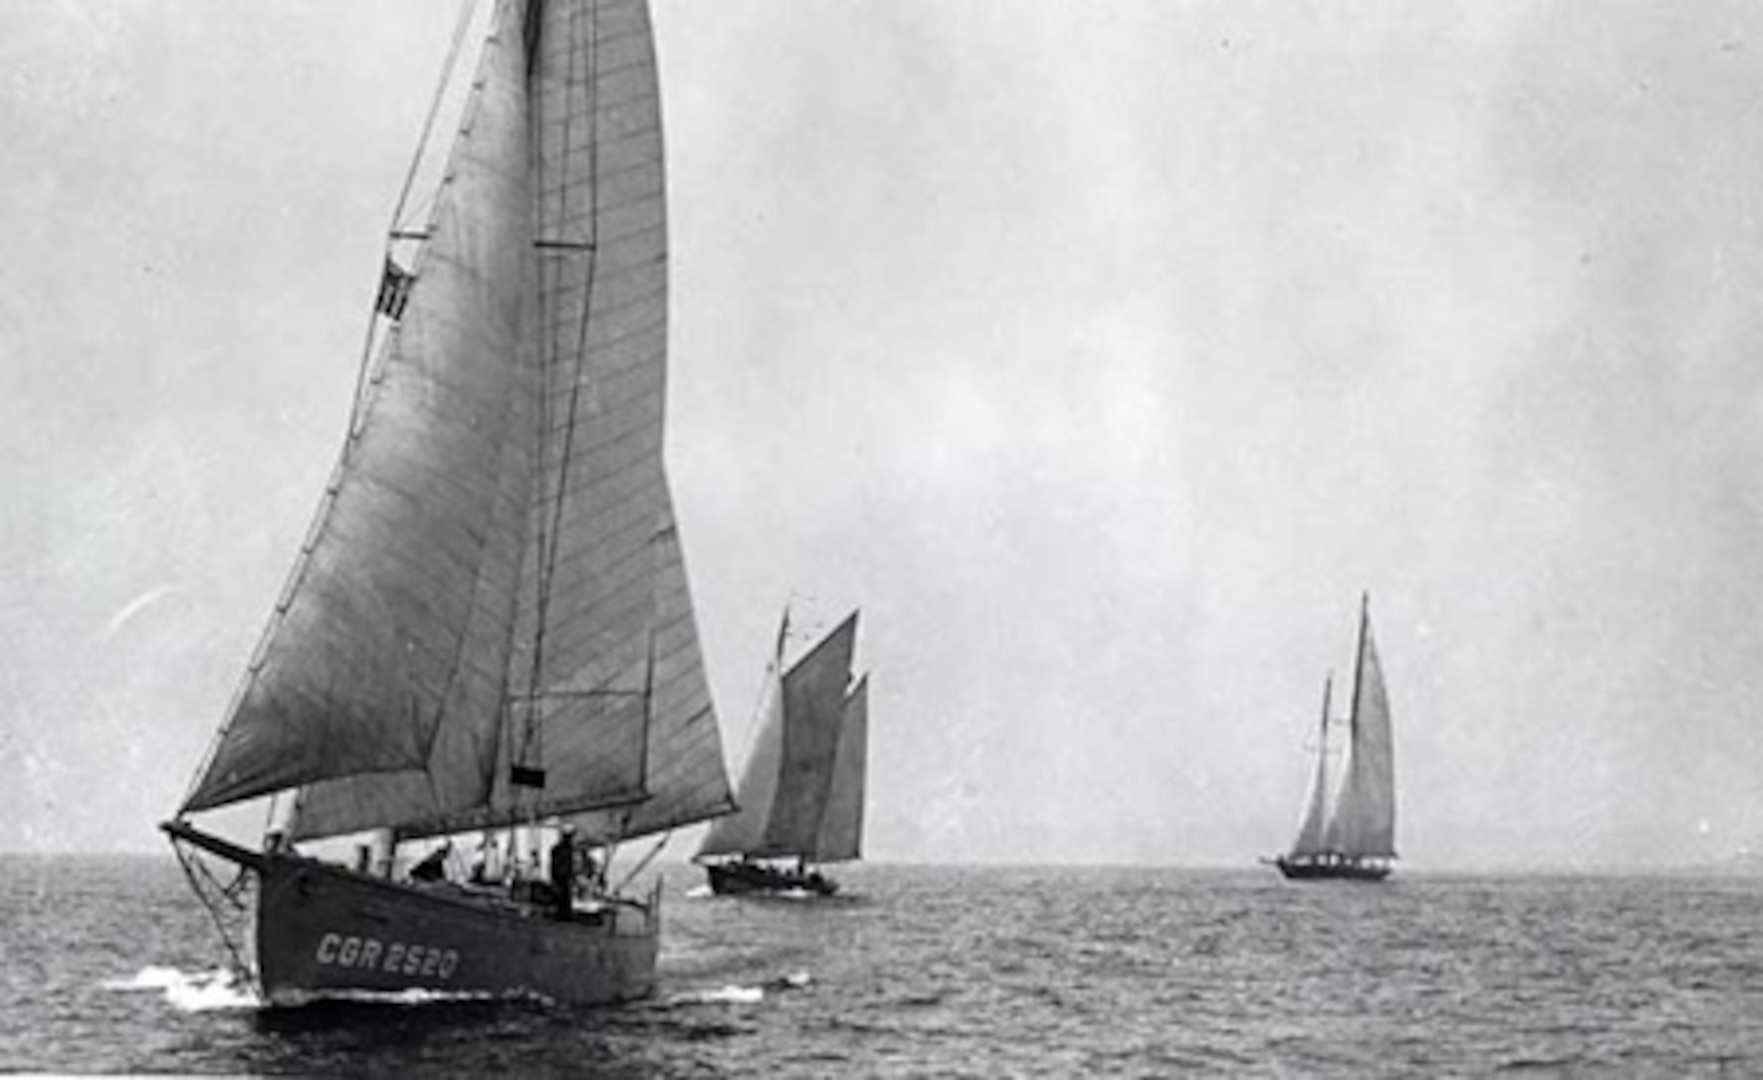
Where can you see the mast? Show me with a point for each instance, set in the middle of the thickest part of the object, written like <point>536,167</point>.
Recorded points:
<point>1359,658</point>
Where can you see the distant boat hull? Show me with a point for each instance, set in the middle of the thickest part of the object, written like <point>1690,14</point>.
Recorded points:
<point>747,878</point>
<point>326,932</point>
<point>1347,870</point>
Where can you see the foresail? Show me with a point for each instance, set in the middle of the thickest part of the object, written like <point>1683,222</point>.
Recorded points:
<point>386,650</point>
<point>1364,821</point>
<point>744,830</point>
<point>1311,837</point>
<point>1312,831</point>
<point>841,829</point>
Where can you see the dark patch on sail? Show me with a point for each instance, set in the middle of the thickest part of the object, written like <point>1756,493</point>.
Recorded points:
<point>535,14</point>
<point>395,284</point>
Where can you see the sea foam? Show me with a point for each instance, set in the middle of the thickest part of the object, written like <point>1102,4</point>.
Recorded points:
<point>191,991</point>
<point>742,995</point>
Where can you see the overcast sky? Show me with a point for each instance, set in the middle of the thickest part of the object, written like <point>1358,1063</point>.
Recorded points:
<point>1101,352</point>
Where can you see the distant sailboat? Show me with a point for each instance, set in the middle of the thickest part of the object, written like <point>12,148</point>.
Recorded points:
<point>1354,839</point>
<point>801,793</point>
<point>488,630</point>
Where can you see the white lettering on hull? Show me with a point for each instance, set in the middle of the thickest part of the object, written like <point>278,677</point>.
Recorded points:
<point>392,958</point>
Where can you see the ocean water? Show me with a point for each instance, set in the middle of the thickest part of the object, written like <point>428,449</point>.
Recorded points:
<point>107,964</point>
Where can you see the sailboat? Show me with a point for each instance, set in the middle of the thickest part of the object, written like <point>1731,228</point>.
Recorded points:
<point>1354,837</point>
<point>801,791</point>
<point>488,631</point>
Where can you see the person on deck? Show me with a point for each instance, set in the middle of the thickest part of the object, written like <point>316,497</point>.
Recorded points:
<point>434,866</point>
<point>563,872</point>
<point>480,861</point>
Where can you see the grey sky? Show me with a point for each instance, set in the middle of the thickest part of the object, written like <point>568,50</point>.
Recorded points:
<point>1101,352</point>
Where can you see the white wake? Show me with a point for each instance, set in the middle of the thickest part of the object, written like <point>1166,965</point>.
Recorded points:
<point>742,995</point>
<point>728,995</point>
<point>191,991</point>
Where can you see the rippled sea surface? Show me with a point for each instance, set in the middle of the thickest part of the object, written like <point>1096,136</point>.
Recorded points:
<point>107,964</point>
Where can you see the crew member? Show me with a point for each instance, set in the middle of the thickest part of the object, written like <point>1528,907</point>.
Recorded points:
<point>480,861</point>
<point>563,872</point>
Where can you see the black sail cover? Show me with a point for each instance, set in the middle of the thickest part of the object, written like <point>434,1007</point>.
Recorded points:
<point>495,576</point>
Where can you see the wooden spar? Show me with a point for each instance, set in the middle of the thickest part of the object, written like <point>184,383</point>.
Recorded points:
<point>178,829</point>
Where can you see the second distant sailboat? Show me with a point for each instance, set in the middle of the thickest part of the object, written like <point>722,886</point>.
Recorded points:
<point>1355,838</point>
<point>801,793</point>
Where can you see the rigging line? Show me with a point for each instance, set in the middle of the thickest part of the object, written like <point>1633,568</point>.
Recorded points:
<point>460,26</point>
<point>643,863</point>
<point>184,861</point>
<point>770,686</point>
<point>1359,662</point>
<point>648,710</point>
<point>547,571</point>
<point>428,124</point>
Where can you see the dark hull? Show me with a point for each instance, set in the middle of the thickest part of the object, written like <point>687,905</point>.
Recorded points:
<point>1308,870</point>
<point>743,879</point>
<point>324,931</point>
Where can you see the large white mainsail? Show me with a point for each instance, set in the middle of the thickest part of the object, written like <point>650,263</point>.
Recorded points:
<point>494,579</point>
<point>1363,822</point>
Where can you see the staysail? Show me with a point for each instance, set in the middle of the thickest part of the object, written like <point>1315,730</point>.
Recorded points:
<point>1364,819</point>
<point>1311,831</point>
<point>744,830</point>
<point>494,582</point>
<point>805,769</point>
